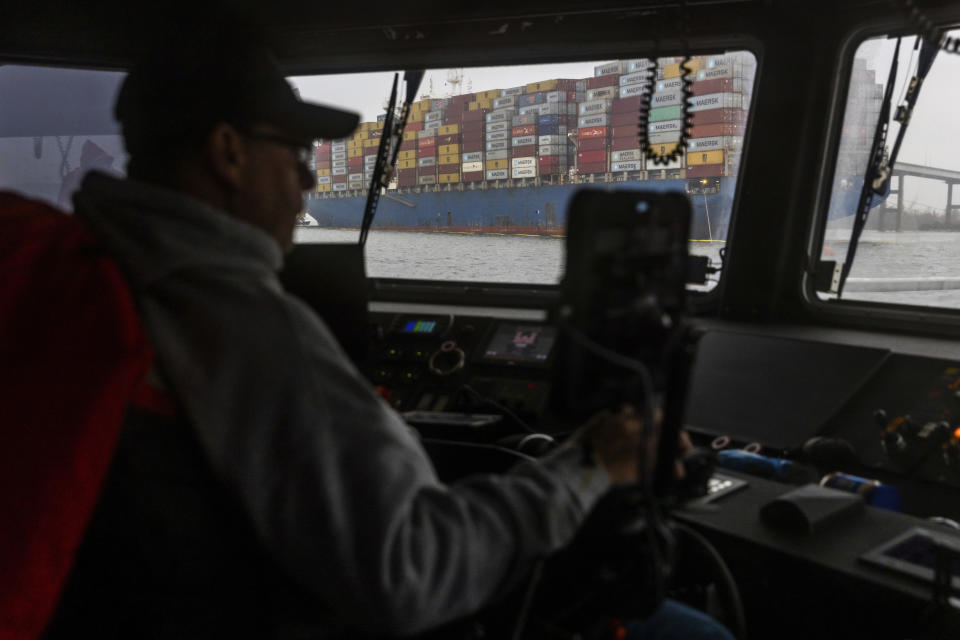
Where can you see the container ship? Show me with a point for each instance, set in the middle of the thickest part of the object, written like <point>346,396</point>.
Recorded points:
<point>508,160</point>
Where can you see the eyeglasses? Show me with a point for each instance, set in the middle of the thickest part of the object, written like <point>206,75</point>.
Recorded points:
<point>301,151</point>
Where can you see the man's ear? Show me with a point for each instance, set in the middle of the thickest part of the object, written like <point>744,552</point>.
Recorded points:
<point>226,155</point>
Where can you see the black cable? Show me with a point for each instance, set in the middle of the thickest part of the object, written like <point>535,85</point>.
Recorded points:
<point>478,445</point>
<point>735,603</point>
<point>496,405</point>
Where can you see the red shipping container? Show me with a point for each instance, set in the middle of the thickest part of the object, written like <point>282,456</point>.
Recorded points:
<point>572,93</point>
<point>611,80</point>
<point>449,168</point>
<point>452,138</point>
<point>715,85</point>
<point>717,116</point>
<point>406,172</point>
<point>473,137</point>
<point>324,165</point>
<point>626,130</point>
<point>526,151</point>
<point>524,130</point>
<point>591,157</point>
<point>427,142</point>
<point>593,144</point>
<point>414,126</point>
<point>592,132</point>
<point>625,118</point>
<point>624,143</point>
<point>472,147</point>
<point>705,171</point>
<point>472,176</point>
<point>475,126</point>
<point>376,133</point>
<point>355,162</point>
<point>475,115</point>
<point>626,105</point>
<point>593,167</point>
<point>711,130</point>
<point>427,152</point>
<point>340,179</point>
<point>407,182</point>
<point>426,171</point>
<point>408,145</point>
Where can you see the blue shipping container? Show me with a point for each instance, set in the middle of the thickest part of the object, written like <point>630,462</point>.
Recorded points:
<point>548,120</point>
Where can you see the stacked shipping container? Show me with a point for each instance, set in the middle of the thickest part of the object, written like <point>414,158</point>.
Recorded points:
<point>555,127</point>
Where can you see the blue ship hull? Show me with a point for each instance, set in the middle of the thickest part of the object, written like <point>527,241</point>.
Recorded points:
<point>540,209</point>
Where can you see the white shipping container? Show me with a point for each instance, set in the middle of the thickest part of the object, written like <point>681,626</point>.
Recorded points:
<point>426,162</point>
<point>665,125</point>
<point>556,96</point>
<point>716,101</point>
<point>716,142</point>
<point>339,155</point>
<point>427,180</point>
<point>339,171</point>
<point>513,91</point>
<point>500,154</point>
<point>526,172</point>
<point>430,126</point>
<point>634,165</point>
<point>551,150</point>
<point>355,177</point>
<point>527,119</point>
<point>596,106</point>
<point>499,116</point>
<point>606,69</point>
<point>666,99</point>
<point>663,138</point>
<point>552,108</point>
<point>339,163</point>
<point>498,135</point>
<point>542,140</point>
<point>601,93</point>
<point>725,71</point>
<point>470,167</point>
<point>426,134</point>
<point>476,156</point>
<point>524,140</point>
<point>430,116</point>
<point>533,109</point>
<point>634,78</point>
<point>521,163</point>
<point>639,65</point>
<point>339,186</point>
<point>508,101</point>
<point>670,85</point>
<point>632,90</point>
<point>631,155</point>
<point>369,161</point>
<point>673,164</point>
<point>338,146</point>
<point>498,174</point>
<point>498,145</point>
<point>354,186</point>
<point>601,120</point>
<point>497,126</point>
<point>572,108</point>
<point>324,180</point>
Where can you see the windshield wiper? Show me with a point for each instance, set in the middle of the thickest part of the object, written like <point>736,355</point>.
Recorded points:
<point>876,179</point>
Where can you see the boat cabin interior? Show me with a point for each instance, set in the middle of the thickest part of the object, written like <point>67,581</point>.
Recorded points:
<point>813,143</point>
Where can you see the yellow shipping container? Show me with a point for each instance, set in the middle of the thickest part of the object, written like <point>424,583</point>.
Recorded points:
<point>705,157</point>
<point>407,164</point>
<point>485,103</point>
<point>473,106</point>
<point>354,153</point>
<point>451,158</point>
<point>324,188</point>
<point>447,178</point>
<point>493,165</point>
<point>410,135</point>
<point>415,116</point>
<point>545,85</point>
<point>664,149</point>
<point>373,142</point>
<point>321,173</point>
<point>408,155</point>
<point>490,95</point>
<point>452,149</point>
<point>422,106</point>
<point>673,70</point>
<point>449,129</point>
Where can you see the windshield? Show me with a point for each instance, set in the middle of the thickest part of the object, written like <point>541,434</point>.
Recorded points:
<point>491,157</point>
<point>910,247</point>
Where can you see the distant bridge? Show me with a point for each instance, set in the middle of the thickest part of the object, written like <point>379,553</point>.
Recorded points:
<point>903,169</point>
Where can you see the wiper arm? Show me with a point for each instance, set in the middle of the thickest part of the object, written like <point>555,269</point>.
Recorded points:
<point>389,147</point>
<point>876,179</point>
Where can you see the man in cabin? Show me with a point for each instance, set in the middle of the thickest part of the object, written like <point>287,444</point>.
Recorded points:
<point>267,490</point>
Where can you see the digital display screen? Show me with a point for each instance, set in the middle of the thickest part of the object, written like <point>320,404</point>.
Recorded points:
<point>521,343</point>
<point>419,327</point>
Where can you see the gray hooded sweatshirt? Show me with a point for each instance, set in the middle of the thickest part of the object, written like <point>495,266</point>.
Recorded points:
<point>339,490</point>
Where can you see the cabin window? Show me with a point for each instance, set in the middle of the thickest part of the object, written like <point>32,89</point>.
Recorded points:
<point>491,157</point>
<point>909,250</point>
<point>55,126</point>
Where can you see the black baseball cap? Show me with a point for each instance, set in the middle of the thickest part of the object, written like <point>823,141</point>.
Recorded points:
<point>184,90</point>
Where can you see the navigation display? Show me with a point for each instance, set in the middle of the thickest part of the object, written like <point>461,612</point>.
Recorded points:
<point>521,343</point>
